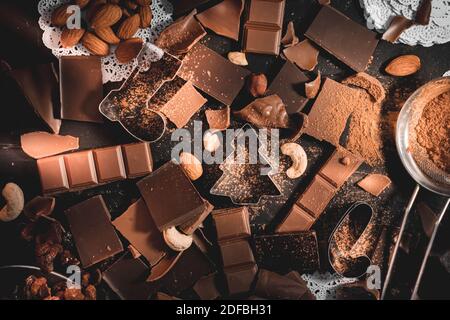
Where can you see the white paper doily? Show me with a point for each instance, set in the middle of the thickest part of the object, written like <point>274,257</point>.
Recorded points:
<point>379,13</point>
<point>324,285</point>
<point>447,74</point>
<point>112,69</point>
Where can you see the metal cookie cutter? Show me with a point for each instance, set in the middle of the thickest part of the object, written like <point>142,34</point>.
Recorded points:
<point>423,172</point>
<point>128,105</point>
<point>238,181</point>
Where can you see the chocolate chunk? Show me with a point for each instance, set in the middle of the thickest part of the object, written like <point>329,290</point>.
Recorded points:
<point>336,170</point>
<point>165,297</point>
<point>348,41</point>
<point>375,183</point>
<point>236,253</point>
<point>179,37</point>
<point>288,85</point>
<point>38,85</point>
<point>80,168</point>
<point>138,159</point>
<point>193,224</point>
<point>312,88</point>
<point>164,266</point>
<point>396,28</point>
<point>240,279</point>
<point>81,88</point>
<point>231,223</point>
<point>109,164</point>
<point>218,119</point>
<point>294,251</point>
<point>213,74</point>
<point>52,172</point>
<point>317,196</point>
<point>223,18</point>
<point>137,226</point>
<point>42,144</point>
<point>296,220</point>
<point>206,288</point>
<point>289,39</point>
<point>262,31</point>
<point>126,277</point>
<point>267,112</point>
<point>183,105</point>
<point>303,54</point>
<point>171,197</point>
<point>372,85</point>
<point>423,13</point>
<point>272,285</point>
<point>329,114</point>
<point>96,240</point>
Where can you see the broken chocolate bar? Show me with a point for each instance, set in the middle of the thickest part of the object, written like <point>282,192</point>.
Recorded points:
<point>231,223</point>
<point>43,144</point>
<point>93,233</point>
<point>375,183</point>
<point>347,40</point>
<point>303,54</point>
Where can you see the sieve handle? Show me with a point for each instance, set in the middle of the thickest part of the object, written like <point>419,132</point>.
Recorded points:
<point>397,244</point>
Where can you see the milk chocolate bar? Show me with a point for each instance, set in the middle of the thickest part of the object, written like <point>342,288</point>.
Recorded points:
<point>310,205</point>
<point>262,31</point>
<point>231,223</point>
<point>93,233</point>
<point>90,168</point>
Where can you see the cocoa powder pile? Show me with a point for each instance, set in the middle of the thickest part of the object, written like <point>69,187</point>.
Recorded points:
<point>433,131</point>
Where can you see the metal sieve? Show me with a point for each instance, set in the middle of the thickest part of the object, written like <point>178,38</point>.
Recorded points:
<point>423,171</point>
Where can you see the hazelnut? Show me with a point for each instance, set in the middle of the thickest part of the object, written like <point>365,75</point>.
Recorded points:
<point>257,84</point>
<point>345,161</point>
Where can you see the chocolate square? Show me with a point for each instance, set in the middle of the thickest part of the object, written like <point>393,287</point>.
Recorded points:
<point>235,253</point>
<point>138,159</point>
<point>52,172</point>
<point>262,40</point>
<point>267,12</point>
<point>80,169</point>
<point>93,233</point>
<point>347,40</point>
<point>232,223</point>
<point>109,164</point>
<point>336,171</point>
<point>317,196</point>
<point>81,88</point>
<point>170,196</point>
<point>240,279</point>
<point>296,220</point>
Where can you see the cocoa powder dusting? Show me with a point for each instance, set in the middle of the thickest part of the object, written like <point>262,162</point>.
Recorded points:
<point>433,131</point>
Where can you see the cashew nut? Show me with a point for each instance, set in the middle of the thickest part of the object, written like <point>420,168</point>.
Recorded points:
<point>298,157</point>
<point>211,142</point>
<point>14,202</point>
<point>176,240</point>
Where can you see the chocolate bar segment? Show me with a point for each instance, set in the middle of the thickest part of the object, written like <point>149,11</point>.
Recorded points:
<point>81,88</point>
<point>232,223</point>
<point>93,233</point>
<point>340,166</point>
<point>80,169</point>
<point>52,172</point>
<point>206,288</point>
<point>109,164</point>
<point>235,253</point>
<point>297,219</point>
<point>262,31</point>
<point>240,279</point>
<point>347,40</point>
<point>213,74</point>
<point>171,197</point>
<point>317,196</point>
<point>138,159</point>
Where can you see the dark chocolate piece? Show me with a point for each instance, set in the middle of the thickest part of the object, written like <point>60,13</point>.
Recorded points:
<point>262,31</point>
<point>267,112</point>
<point>164,266</point>
<point>182,35</point>
<point>81,88</point>
<point>396,28</point>
<point>304,55</point>
<point>43,144</point>
<point>93,233</point>
<point>126,277</point>
<point>206,288</point>
<point>213,74</point>
<point>86,169</point>
<point>347,40</point>
<point>38,85</point>
<point>294,251</point>
<point>240,279</point>
<point>423,13</point>
<point>224,18</point>
<point>138,227</point>
<point>288,85</point>
<point>236,253</point>
<point>312,88</point>
<point>193,224</point>
<point>231,223</point>
<point>171,197</point>
<point>272,285</point>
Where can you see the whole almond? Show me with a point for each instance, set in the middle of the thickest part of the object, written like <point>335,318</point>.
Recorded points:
<point>129,27</point>
<point>60,16</point>
<point>403,66</point>
<point>71,37</point>
<point>95,45</point>
<point>106,16</point>
<point>146,15</point>
<point>191,165</point>
<point>144,2</point>
<point>107,34</point>
<point>128,50</point>
<point>93,7</point>
<point>257,84</point>
<point>82,3</point>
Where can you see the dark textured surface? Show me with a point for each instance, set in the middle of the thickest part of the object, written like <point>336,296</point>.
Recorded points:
<point>25,49</point>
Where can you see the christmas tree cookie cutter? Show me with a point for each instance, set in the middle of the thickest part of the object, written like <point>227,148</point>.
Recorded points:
<point>247,183</point>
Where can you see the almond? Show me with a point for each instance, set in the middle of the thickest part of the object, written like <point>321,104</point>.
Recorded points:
<point>106,16</point>
<point>128,50</point>
<point>144,2</point>
<point>95,45</point>
<point>146,15</point>
<point>129,27</point>
<point>191,165</point>
<point>60,16</point>
<point>403,66</point>
<point>107,34</point>
<point>238,58</point>
<point>82,3</point>
<point>93,7</point>
<point>71,37</point>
